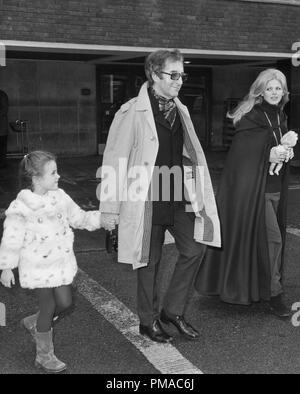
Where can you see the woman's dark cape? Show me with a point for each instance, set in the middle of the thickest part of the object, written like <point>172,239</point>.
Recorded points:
<point>239,272</point>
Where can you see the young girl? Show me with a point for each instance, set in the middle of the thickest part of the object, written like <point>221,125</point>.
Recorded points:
<point>38,240</point>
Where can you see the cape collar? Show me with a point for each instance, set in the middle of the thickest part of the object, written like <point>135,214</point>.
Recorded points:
<point>269,108</point>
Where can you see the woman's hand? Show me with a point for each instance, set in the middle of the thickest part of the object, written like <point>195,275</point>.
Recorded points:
<point>278,155</point>
<point>7,278</point>
<point>289,155</point>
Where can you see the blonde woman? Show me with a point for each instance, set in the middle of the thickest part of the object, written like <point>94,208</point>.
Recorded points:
<point>252,203</point>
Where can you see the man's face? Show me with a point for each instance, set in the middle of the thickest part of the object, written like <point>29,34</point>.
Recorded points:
<point>163,84</point>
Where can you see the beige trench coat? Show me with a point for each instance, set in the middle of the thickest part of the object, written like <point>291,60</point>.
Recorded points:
<point>132,147</point>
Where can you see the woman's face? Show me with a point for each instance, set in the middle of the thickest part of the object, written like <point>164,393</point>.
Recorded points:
<point>273,92</point>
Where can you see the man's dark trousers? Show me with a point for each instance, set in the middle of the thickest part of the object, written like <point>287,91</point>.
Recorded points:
<point>191,254</point>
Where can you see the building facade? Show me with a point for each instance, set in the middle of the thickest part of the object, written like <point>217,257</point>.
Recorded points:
<point>69,65</point>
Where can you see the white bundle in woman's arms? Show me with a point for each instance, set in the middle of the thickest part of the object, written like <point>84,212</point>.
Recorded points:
<point>287,142</point>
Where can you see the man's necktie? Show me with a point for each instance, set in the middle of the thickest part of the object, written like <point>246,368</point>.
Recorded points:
<point>167,107</point>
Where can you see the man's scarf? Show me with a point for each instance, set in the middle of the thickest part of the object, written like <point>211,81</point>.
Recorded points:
<point>167,107</point>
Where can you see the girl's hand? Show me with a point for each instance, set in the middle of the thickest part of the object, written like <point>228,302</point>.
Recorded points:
<point>7,278</point>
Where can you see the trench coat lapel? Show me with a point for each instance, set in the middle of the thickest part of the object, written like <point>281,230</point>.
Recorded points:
<point>204,199</point>
<point>144,105</point>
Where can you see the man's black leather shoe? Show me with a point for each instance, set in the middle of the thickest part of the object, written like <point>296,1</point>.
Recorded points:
<point>155,332</point>
<point>182,326</point>
<point>278,307</point>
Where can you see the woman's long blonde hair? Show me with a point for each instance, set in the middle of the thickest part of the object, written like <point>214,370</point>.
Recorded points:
<point>255,93</point>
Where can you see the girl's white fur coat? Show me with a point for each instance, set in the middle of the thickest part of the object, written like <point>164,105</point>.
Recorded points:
<point>38,239</point>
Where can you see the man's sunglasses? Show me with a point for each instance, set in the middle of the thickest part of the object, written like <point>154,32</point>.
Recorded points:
<point>175,76</point>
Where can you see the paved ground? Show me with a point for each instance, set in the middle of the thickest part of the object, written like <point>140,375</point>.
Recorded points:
<point>234,339</point>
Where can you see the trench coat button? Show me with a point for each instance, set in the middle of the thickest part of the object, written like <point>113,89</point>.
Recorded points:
<point>146,163</point>
<point>40,220</point>
<point>152,138</point>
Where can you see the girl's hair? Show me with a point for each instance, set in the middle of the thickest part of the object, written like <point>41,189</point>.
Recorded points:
<point>255,93</point>
<point>156,61</point>
<point>31,165</point>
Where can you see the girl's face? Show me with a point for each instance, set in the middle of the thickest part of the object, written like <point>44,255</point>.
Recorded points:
<point>48,181</point>
<point>273,92</point>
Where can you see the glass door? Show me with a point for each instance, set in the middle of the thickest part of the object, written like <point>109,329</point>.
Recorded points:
<point>195,95</point>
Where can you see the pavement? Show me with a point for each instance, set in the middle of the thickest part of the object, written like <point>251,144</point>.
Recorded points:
<point>94,338</point>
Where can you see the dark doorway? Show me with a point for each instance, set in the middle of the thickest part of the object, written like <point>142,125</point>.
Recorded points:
<point>115,85</point>
<point>195,94</point>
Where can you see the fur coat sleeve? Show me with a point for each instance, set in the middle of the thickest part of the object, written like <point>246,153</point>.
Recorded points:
<point>13,236</point>
<point>80,219</point>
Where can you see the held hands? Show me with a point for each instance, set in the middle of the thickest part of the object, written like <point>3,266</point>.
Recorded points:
<point>109,220</point>
<point>7,278</point>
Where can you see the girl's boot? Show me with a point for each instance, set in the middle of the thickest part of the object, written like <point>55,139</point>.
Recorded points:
<point>45,357</point>
<point>29,323</point>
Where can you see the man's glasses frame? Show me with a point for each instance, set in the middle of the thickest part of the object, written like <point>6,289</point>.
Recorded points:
<point>175,75</point>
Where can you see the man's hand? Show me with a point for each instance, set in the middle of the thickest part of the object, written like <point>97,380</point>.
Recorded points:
<point>278,155</point>
<point>109,220</point>
<point>7,278</point>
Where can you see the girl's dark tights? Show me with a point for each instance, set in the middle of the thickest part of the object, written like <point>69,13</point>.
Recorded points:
<point>52,301</point>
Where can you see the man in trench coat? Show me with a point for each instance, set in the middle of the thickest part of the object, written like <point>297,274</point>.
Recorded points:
<point>155,178</point>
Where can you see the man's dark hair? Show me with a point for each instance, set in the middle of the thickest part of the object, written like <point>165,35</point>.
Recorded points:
<point>156,61</point>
